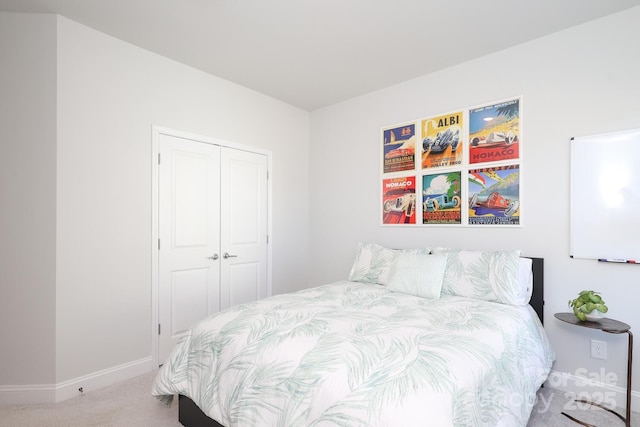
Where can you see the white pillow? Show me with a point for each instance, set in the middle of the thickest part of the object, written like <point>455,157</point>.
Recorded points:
<point>525,280</point>
<point>417,274</point>
<point>372,262</point>
<point>484,275</point>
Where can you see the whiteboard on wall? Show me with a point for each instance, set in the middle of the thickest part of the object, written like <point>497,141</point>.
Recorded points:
<point>605,196</point>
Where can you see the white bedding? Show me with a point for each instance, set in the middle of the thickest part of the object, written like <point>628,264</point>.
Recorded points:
<point>354,354</point>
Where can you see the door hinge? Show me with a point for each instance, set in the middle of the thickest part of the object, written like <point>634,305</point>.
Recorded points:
<point>158,158</point>
<point>158,244</point>
<point>158,328</point>
<point>267,175</point>
<point>267,239</point>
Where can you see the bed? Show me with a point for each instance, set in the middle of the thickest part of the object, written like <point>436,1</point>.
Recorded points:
<point>374,350</point>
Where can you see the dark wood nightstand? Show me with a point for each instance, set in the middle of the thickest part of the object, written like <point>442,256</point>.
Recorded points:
<point>609,326</point>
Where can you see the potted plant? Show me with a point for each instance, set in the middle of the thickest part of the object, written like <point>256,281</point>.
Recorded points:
<point>588,306</point>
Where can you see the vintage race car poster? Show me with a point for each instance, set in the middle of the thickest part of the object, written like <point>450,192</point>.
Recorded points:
<point>399,148</point>
<point>441,138</point>
<point>494,132</point>
<point>441,198</point>
<point>494,195</point>
<point>399,200</point>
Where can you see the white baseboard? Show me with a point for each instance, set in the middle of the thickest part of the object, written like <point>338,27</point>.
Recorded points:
<point>592,386</point>
<point>52,393</point>
<point>27,394</point>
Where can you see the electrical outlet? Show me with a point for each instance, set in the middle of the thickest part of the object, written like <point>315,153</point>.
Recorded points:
<point>599,349</point>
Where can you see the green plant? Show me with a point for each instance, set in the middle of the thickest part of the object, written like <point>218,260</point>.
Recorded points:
<point>586,302</point>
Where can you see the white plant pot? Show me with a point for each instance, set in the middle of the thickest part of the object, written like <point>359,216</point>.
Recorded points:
<point>594,316</point>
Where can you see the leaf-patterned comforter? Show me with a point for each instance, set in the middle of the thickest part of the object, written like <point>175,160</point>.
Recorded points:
<point>354,354</point>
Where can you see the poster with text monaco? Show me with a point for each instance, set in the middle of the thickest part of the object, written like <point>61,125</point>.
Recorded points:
<point>494,132</point>
<point>399,148</point>
<point>441,137</point>
<point>399,200</point>
<point>441,198</point>
<point>494,195</point>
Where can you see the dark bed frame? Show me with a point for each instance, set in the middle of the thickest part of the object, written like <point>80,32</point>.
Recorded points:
<point>190,415</point>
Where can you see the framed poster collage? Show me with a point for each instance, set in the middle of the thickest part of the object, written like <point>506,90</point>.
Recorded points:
<point>456,169</point>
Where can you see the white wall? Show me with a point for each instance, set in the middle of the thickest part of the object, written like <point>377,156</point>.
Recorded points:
<point>27,198</point>
<point>92,257</point>
<point>109,94</point>
<point>577,82</point>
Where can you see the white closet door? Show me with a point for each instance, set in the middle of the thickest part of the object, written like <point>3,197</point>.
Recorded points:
<point>189,231</point>
<point>243,233</point>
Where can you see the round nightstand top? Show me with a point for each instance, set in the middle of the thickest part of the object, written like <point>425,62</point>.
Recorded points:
<point>605,325</point>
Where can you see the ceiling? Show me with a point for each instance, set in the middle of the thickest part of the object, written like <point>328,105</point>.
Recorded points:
<point>314,53</point>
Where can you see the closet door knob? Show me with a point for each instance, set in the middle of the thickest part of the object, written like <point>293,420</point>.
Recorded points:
<point>214,257</point>
<point>227,255</point>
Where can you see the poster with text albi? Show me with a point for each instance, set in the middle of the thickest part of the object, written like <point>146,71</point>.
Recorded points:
<point>494,132</point>
<point>441,140</point>
<point>399,200</point>
<point>399,148</point>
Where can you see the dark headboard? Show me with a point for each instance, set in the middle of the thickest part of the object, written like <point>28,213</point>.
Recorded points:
<point>537,298</point>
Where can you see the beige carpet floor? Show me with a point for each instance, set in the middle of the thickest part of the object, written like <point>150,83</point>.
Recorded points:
<point>130,404</point>
<point>125,404</point>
